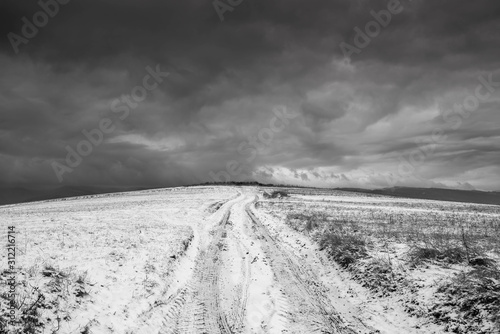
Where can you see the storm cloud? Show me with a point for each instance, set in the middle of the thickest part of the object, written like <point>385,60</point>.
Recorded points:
<point>386,115</point>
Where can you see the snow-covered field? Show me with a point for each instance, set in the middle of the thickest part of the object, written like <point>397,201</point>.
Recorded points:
<point>229,260</point>
<point>437,261</point>
<point>101,262</point>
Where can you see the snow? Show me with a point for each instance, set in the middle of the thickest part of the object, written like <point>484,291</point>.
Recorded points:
<point>214,258</point>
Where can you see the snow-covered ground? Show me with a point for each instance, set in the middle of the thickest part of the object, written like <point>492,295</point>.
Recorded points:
<point>438,292</point>
<point>105,261</point>
<point>227,260</point>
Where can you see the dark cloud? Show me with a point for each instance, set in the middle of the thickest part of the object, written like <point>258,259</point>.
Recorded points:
<point>356,119</point>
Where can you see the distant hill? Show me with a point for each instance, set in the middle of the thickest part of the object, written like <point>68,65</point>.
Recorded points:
<point>12,195</point>
<point>453,195</point>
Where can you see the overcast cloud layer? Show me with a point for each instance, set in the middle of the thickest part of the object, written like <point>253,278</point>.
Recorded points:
<point>367,121</point>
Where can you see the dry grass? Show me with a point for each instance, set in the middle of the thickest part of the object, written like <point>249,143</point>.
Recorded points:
<point>364,233</point>
<point>44,297</point>
<point>345,249</point>
<point>453,238</point>
<point>475,295</point>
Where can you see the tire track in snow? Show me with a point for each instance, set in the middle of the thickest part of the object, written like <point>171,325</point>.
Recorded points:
<point>310,307</point>
<point>203,312</point>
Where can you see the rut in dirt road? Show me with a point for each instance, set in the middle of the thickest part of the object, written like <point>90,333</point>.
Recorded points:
<point>202,312</point>
<point>240,252</point>
<point>310,308</point>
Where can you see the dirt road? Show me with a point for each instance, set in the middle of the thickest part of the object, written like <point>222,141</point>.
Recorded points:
<point>236,278</point>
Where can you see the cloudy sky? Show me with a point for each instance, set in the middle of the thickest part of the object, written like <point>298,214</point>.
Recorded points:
<point>309,92</point>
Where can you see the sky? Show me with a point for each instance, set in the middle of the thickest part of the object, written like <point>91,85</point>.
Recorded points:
<point>325,93</point>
